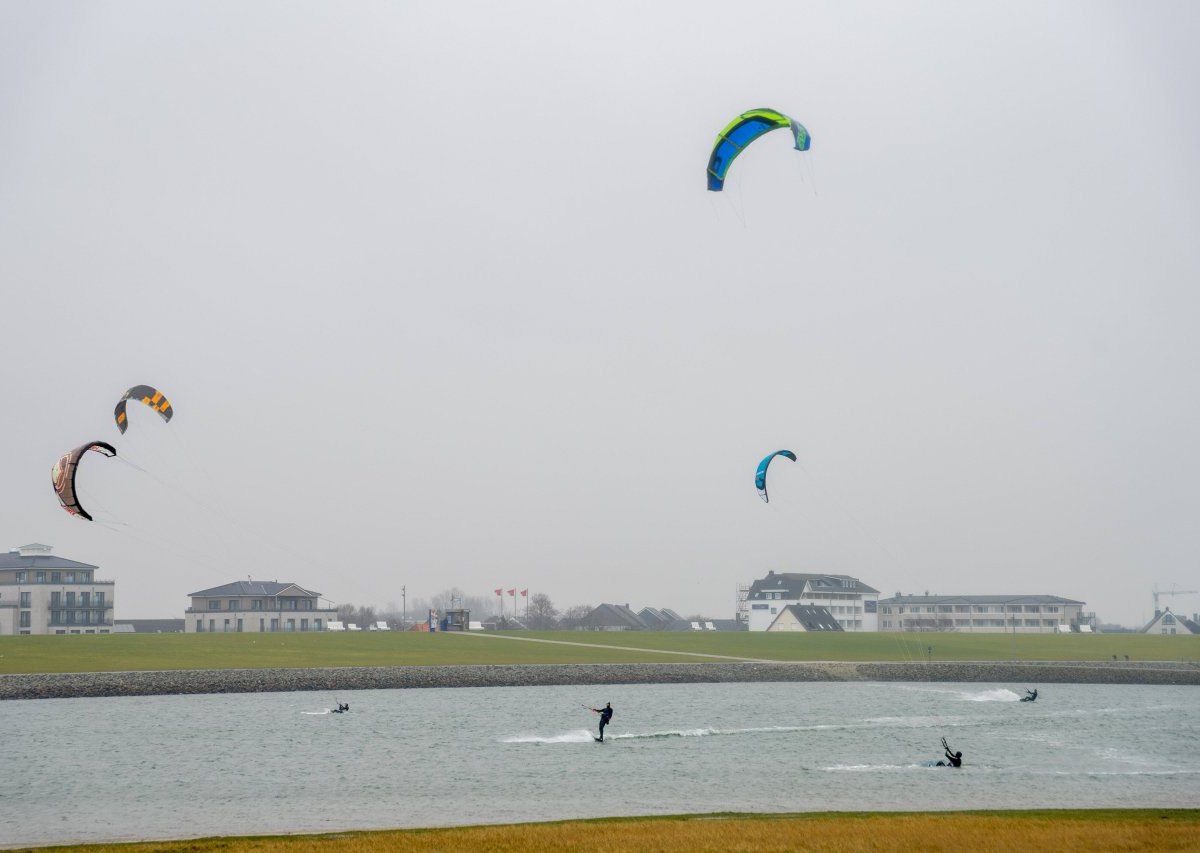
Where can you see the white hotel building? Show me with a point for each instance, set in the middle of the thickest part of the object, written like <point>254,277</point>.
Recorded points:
<point>850,601</point>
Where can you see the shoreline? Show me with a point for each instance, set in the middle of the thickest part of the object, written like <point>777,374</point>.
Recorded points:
<point>278,680</point>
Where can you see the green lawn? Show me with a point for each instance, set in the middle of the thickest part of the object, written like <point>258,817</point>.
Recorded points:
<point>120,652</point>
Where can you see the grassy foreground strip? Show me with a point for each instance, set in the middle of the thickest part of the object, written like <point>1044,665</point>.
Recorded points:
<point>1117,829</point>
<point>126,652</point>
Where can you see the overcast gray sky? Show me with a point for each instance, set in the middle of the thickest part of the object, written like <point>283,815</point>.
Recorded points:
<point>440,297</point>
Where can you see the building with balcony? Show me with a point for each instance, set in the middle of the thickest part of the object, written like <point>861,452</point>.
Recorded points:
<point>848,600</point>
<point>261,607</point>
<point>44,594</point>
<point>983,614</point>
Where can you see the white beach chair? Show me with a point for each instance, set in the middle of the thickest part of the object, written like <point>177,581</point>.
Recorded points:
<point>710,626</point>
<point>380,626</point>
<point>1085,629</point>
<point>696,626</point>
<point>352,627</point>
<point>335,626</point>
<point>1064,629</point>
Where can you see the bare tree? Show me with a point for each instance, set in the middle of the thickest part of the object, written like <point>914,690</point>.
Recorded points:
<point>543,615</point>
<point>573,616</point>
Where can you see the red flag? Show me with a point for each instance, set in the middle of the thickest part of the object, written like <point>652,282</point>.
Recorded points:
<point>525,593</point>
<point>512,592</point>
<point>499,591</point>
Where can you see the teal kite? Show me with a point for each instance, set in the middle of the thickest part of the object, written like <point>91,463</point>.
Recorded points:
<point>743,130</point>
<point>760,476</point>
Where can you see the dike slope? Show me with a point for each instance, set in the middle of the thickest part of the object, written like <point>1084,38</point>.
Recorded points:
<point>169,682</point>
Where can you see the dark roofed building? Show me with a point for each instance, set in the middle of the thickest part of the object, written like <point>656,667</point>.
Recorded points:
<point>850,601</point>
<point>804,617</point>
<point>612,617</point>
<point>41,593</point>
<point>1169,623</point>
<point>257,607</point>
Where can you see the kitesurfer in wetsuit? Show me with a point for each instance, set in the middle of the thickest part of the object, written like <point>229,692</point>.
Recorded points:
<point>953,759</point>
<point>1031,696</point>
<point>605,717</point>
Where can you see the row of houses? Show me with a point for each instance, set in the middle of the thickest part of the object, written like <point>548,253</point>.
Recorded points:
<point>42,593</point>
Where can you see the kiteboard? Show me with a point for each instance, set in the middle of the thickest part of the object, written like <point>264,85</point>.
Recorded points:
<point>597,740</point>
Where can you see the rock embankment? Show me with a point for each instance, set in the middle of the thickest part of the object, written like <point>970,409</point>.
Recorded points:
<point>88,684</point>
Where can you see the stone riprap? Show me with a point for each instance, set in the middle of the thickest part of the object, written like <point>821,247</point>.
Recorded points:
<point>168,682</point>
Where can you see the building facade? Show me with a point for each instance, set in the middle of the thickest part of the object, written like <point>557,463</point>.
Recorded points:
<point>44,594</point>
<point>256,607</point>
<point>982,614</point>
<point>1166,622</point>
<point>806,618</point>
<point>850,601</point>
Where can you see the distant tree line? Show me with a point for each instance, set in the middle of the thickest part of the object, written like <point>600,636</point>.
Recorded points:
<point>540,615</point>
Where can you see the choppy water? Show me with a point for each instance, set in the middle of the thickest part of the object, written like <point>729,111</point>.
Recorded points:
<point>178,766</point>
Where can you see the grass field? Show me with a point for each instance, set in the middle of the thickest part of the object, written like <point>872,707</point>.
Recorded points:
<point>121,652</point>
<point>1125,830</point>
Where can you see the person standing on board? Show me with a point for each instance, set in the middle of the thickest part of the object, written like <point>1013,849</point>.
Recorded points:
<point>605,718</point>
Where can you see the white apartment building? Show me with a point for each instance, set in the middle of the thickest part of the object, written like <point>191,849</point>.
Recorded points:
<point>44,594</point>
<point>850,601</point>
<point>982,614</point>
<point>256,607</point>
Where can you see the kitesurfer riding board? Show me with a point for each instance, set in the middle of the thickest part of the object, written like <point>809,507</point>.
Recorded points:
<point>605,718</point>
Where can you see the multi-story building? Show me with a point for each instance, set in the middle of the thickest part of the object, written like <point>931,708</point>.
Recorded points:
<point>850,601</point>
<point>982,614</point>
<point>44,594</point>
<point>256,607</point>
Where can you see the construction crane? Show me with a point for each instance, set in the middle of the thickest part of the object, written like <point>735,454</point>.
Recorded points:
<point>1171,591</point>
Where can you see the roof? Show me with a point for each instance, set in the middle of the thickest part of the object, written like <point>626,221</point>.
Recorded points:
<point>812,616</point>
<point>148,626</point>
<point>1189,624</point>
<point>979,599</point>
<point>14,560</point>
<point>613,615</point>
<point>268,588</point>
<point>791,584</point>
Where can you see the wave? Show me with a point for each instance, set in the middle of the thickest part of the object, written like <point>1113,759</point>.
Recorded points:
<point>585,735</point>
<point>317,713</point>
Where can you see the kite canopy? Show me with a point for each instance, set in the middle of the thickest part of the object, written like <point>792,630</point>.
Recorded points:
<point>62,476</point>
<point>743,130</point>
<point>152,397</point>
<point>760,477</point>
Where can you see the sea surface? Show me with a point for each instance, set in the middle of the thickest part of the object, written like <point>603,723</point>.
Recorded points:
<point>88,770</point>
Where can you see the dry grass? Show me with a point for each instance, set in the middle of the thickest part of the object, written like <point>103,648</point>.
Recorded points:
<point>1119,830</point>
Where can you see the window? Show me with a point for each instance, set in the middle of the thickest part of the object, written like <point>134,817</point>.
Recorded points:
<point>256,604</point>
<point>99,599</point>
<point>212,626</point>
<point>85,598</point>
<point>25,617</point>
<point>20,577</point>
<point>70,599</point>
<point>226,626</point>
<point>303,624</point>
<point>214,604</point>
<point>1168,618</point>
<point>25,599</point>
<point>41,577</point>
<point>262,625</point>
<point>85,577</point>
<point>291,624</point>
<point>56,577</point>
<point>233,604</point>
<point>239,626</point>
<point>199,626</point>
<point>70,577</point>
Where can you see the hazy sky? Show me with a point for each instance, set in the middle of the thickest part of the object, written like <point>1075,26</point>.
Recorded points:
<point>441,300</point>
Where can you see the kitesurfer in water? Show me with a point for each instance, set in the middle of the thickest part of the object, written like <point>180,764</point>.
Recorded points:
<point>605,717</point>
<point>953,759</point>
<point>1031,696</point>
